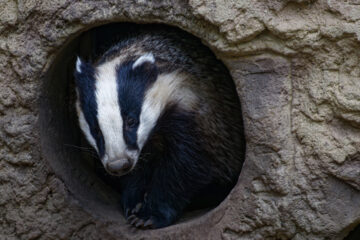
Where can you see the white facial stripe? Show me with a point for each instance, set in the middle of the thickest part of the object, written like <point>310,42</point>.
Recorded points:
<point>109,117</point>
<point>85,126</point>
<point>148,57</point>
<point>167,88</point>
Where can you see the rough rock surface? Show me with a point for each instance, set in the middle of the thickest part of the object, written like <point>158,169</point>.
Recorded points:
<point>296,67</point>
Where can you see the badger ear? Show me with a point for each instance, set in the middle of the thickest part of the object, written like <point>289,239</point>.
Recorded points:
<point>84,73</point>
<point>146,58</point>
<point>145,68</point>
<point>79,64</point>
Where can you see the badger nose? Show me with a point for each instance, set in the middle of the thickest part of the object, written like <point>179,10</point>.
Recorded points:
<point>118,167</point>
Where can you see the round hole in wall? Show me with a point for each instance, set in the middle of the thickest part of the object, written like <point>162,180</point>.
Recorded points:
<point>64,146</point>
<point>354,233</point>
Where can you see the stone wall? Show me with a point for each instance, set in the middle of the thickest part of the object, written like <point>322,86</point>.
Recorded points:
<point>296,67</point>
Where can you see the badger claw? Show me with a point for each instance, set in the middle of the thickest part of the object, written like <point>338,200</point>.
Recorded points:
<point>148,223</point>
<point>127,211</point>
<point>139,223</point>
<point>131,217</point>
<point>137,208</point>
<point>134,220</point>
<point>145,196</point>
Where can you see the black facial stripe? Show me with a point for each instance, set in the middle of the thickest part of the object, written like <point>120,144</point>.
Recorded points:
<point>132,84</point>
<point>85,83</point>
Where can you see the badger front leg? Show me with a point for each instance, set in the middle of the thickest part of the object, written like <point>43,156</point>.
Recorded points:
<point>133,188</point>
<point>181,174</point>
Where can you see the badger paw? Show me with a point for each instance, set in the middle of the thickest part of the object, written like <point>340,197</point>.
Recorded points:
<point>145,217</point>
<point>129,211</point>
<point>140,223</point>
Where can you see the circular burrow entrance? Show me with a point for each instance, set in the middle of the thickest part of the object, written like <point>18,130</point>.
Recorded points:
<point>63,144</point>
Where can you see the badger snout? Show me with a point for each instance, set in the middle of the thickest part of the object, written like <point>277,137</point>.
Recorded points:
<point>119,167</point>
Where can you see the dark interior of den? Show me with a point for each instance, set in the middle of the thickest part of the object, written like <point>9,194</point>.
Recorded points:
<point>63,144</point>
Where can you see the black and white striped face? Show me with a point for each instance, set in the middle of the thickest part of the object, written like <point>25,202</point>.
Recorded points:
<point>118,105</point>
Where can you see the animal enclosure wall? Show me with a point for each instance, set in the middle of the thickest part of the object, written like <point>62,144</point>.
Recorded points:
<point>296,68</point>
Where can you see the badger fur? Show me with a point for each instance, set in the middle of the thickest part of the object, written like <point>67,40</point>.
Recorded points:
<point>164,117</point>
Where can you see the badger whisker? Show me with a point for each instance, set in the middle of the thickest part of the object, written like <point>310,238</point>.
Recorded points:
<point>78,147</point>
<point>86,150</point>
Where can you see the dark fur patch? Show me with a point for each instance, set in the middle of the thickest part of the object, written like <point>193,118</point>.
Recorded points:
<point>132,84</point>
<point>174,168</point>
<point>85,83</point>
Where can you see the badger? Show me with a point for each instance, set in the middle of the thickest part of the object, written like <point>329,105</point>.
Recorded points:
<point>164,117</point>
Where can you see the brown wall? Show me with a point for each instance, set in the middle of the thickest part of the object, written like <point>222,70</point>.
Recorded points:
<point>296,67</point>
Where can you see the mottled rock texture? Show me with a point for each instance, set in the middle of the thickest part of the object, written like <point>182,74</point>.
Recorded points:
<point>296,67</point>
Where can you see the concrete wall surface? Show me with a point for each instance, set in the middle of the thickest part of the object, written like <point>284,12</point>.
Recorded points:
<point>296,67</point>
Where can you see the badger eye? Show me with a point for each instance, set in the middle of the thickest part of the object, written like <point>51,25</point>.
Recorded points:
<point>130,122</point>
<point>98,131</point>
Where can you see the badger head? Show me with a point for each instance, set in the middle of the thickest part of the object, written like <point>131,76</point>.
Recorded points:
<point>117,108</point>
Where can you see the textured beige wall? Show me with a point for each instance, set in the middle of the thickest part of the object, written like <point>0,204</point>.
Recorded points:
<point>296,66</point>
